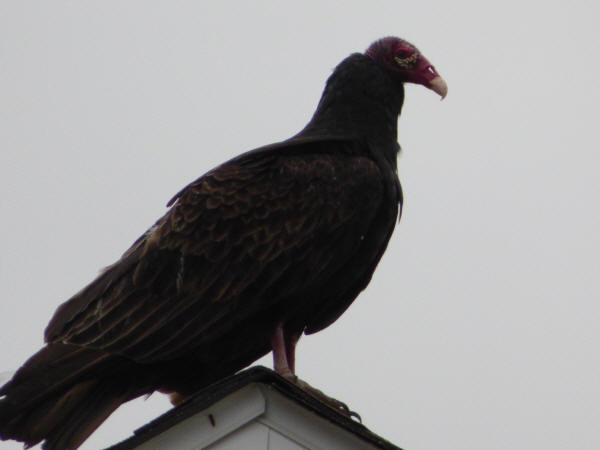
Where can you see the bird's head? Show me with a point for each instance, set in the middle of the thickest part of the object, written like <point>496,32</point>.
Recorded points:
<point>407,63</point>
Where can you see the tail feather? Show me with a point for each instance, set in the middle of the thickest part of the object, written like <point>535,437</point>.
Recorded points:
<point>83,419</point>
<point>52,368</point>
<point>32,425</point>
<point>62,394</point>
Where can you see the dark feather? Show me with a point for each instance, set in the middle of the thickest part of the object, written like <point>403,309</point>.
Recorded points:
<point>249,236</point>
<point>286,234</point>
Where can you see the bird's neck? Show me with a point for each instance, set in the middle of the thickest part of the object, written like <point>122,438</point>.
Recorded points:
<point>360,101</point>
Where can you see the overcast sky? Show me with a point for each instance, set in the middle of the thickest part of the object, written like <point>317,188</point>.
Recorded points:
<point>480,328</point>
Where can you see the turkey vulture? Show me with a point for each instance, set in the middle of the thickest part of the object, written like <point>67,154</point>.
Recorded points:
<point>272,244</point>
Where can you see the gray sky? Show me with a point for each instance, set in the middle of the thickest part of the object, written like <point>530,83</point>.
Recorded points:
<point>480,327</point>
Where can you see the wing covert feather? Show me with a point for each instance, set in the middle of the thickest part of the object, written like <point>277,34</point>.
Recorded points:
<point>251,234</point>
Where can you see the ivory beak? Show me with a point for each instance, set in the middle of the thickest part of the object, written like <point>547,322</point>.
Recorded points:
<point>439,85</point>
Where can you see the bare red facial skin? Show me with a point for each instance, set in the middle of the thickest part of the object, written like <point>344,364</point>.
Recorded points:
<point>423,73</point>
<point>388,51</point>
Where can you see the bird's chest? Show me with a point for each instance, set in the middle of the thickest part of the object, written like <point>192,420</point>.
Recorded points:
<point>362,248</point>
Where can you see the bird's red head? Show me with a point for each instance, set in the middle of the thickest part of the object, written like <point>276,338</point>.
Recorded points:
<point>407,62</point>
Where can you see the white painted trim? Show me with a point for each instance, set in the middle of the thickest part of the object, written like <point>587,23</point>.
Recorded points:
<point>262,405</point>
<point>197,432</point>
<point>305,427</point>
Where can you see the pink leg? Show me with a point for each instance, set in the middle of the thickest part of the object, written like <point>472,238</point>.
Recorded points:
<point>280,359</point>
<point>290,349</point>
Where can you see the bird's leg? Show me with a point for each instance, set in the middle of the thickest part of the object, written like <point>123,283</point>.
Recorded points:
<point>280,359</point>
<point>284,346</point>
<point>291,339</point>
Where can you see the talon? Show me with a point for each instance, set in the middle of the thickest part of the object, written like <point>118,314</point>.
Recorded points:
<point>290,377</point>
<point>342,407</point>
<point>333,403</point>
<point>355,416</point>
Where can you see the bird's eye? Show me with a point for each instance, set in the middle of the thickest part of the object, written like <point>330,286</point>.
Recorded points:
<point>406,59</point>
<point>402,53</point>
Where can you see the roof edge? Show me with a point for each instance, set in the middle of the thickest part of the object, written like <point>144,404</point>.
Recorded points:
<point>221,389</point>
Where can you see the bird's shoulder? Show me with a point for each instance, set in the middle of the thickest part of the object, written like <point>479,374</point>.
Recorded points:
<point>273,184</point>
<point>256,210</point>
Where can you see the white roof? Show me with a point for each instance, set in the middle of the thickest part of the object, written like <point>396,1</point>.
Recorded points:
<point>254,410</point>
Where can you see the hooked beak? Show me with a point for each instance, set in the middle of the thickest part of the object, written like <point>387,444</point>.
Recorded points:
<point>439,85</point>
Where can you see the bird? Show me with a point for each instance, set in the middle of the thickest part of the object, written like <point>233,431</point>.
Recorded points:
<point>270,245</point>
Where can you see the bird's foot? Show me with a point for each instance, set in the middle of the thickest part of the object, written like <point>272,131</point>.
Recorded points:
<point>288,375</point>
<point>177,399</point>
<point>333,403</point>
